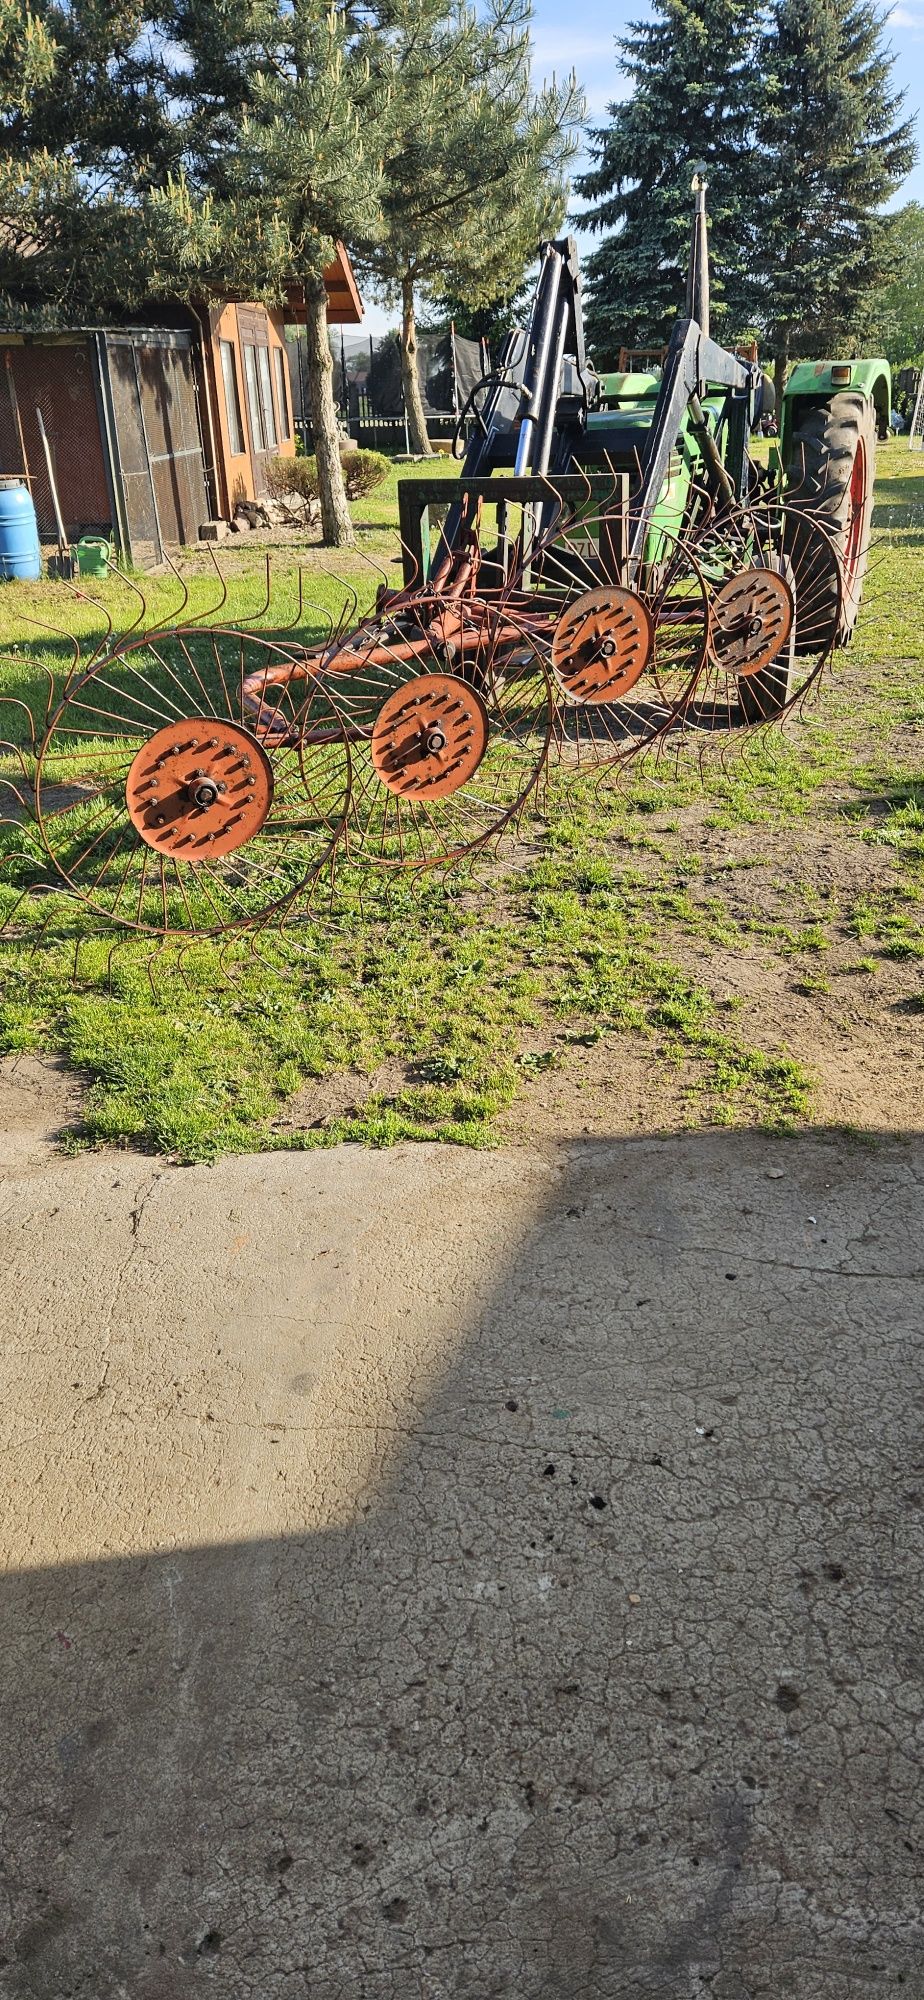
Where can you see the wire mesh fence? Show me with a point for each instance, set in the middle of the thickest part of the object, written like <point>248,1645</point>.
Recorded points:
<point>909,398</point>
<point>368,385</point>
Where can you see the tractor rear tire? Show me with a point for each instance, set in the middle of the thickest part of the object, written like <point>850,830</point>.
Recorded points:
<point>830,475</point>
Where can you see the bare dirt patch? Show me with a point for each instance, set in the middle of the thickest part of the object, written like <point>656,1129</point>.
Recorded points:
<point>328,1099</point>
<point>40,1101</point>
<point>774,933</point>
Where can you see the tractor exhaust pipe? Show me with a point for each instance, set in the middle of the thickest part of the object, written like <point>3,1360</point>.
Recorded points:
<point>698,273</point>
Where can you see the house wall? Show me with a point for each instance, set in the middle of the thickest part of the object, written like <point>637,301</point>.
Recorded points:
<point>241,473</point>
<point>59,375</point>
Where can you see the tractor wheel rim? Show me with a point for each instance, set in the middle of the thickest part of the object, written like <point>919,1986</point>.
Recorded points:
<point>853,549</point>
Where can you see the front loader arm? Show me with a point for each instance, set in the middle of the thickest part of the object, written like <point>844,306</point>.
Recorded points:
<point>693,360</point>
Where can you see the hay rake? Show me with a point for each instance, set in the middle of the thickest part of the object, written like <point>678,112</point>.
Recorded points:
<point>610,572</point>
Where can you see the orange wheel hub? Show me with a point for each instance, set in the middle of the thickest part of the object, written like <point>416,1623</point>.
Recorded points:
<point>199,789</point>
<point>429,737</point>
<point>602,644</point>
<point>751,619</point>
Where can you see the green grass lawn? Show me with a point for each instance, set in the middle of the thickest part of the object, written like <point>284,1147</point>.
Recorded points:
<point>456,992</point>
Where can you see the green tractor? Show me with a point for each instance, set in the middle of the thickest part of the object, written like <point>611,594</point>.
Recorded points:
<point>776,551</point>
<point>823,460</point>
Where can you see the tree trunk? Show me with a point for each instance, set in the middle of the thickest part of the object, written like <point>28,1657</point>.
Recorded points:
<point>413,401</point>
<point>780,366</point>
<point>336,525</point>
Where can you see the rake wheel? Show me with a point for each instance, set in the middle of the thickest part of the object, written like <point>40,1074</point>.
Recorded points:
<point>447,707</point>
<point>622,657</point>
<point>766,582</point>
<point>158,803</point>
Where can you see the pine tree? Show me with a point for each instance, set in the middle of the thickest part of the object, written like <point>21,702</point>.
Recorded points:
<point>84,134</point>
<point>692,75</point>
<point>281,122</point>
<point>834,149</point>
<point>475,167</point>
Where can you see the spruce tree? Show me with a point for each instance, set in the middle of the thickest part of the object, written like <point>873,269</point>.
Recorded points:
<point>834,148</point>
<point>475,165</point>
<point>692,74</point>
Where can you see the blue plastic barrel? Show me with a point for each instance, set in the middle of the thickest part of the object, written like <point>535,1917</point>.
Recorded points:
<point>20,554</point>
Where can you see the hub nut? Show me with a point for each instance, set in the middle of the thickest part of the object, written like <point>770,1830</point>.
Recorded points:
<point>204,791</point>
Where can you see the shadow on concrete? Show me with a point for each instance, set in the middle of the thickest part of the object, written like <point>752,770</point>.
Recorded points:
<point>609,1687</point>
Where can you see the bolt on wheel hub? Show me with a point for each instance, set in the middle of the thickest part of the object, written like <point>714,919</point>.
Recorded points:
<point>751,619</point>
<point>199,789</point>
<point>602,644</point>
<point>429,737</point>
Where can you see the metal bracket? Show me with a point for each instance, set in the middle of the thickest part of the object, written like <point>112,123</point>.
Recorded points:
<point>466,496</point>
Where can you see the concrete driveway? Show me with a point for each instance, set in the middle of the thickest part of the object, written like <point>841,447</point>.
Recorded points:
<point>431,1573</point>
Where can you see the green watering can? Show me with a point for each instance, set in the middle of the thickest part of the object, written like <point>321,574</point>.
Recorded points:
<point>92,555</point>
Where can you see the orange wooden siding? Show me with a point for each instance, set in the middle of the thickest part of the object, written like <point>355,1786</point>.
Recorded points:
<point>241,450</point>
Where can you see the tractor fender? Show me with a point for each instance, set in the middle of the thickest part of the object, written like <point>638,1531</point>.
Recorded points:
<point>814,382</point>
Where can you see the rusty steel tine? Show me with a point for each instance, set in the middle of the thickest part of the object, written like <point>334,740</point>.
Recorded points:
<point>170,617</point>
<point>157,952</point>
<point>24,897</point>
<point>264,608</point>
<point>310,605</point>
<point>84,597</point>
<point>42,625</point>
<point>131,585</point>
<point>407,554</point>
<point>50,696</point>
<point>7,785</point>
<point>343,621</point>
<point>614,487</point>
<point>6,743</point>
<point>370,562</point>
<point>292,624</point>
<point>221,601</point>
